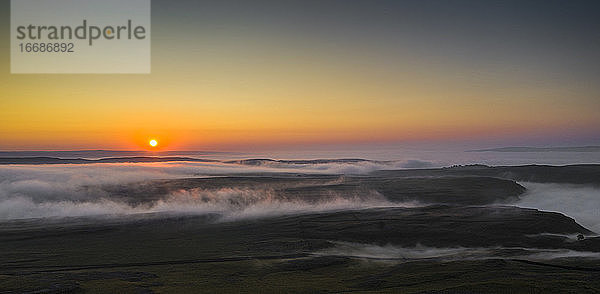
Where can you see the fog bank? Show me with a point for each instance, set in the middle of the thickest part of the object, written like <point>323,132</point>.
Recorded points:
<point>579,202</point>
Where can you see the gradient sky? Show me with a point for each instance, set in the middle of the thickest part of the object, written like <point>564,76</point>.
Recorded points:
<point>233,74</point>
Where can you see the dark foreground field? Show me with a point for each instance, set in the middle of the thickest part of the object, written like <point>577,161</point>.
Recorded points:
<point>428,231</point>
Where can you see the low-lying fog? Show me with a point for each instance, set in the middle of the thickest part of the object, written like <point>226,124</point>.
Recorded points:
<point>399,254</point>
<point>39,191</point>
<point>579,202</point>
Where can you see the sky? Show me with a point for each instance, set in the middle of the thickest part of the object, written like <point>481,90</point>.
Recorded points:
<point>230,75</point>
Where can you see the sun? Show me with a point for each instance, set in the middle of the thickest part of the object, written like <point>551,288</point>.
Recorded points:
<point>153,143</point>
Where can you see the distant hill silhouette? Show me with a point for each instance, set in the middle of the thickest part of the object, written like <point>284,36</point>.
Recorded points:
<point>54,160</point>
<point>540,149</point>
<point>103,153</point>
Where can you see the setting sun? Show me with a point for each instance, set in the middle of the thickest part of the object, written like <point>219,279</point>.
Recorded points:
<point>153,143</point>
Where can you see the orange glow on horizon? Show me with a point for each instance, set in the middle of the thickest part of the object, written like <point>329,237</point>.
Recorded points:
<point>271,87</point>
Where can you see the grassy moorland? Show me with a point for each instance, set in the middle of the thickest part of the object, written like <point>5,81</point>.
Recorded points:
<point>462,241</point>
